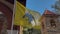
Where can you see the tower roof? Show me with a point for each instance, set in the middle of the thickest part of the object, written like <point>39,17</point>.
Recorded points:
<point>49,12</point>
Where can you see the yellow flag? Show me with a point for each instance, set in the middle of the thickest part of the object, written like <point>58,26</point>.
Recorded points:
<point>37,17</point>
<point>19,13</point>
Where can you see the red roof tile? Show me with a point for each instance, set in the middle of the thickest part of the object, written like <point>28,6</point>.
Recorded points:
<point>49,12</point>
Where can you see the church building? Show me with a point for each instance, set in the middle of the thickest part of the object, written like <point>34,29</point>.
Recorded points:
<point>50,23</point>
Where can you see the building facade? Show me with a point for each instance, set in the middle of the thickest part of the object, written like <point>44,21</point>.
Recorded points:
<point>50,23</point>
<point>6,7</point>
<point>6,13</point>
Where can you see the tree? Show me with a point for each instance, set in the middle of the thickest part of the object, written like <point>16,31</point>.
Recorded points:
<point>56,6</point>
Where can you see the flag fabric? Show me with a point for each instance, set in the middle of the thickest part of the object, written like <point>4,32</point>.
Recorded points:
<point>30,18</point>
<point>26,17</point>
<point>37,17</point>
<point>19,13</point>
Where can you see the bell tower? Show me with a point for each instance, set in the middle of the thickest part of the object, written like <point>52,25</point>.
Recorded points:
<point>50,23</point>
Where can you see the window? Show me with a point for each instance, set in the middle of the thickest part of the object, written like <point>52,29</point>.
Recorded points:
<point>42,25</point>
<point>3,24</point>
<point>52,22</point>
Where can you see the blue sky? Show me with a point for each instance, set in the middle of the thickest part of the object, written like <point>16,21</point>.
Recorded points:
<point>40,5</point>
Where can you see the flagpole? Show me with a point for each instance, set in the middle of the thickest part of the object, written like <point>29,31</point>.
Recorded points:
<point>13,16</point>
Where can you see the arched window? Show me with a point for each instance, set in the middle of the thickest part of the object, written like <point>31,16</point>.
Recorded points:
<point>52,23</point>
<point>3,23</point>
<point>42,25</point>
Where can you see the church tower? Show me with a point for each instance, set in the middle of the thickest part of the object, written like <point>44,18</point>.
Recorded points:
<point>50,23</point>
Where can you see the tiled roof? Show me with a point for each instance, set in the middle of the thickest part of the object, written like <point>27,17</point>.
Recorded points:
<point>49,12</point>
